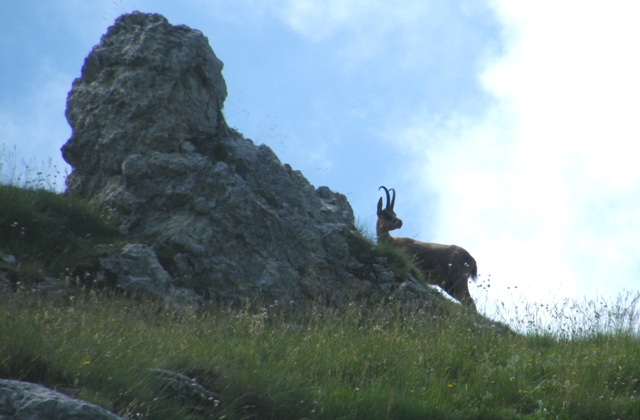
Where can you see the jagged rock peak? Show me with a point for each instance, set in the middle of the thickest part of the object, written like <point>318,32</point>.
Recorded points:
<point>148,86</point>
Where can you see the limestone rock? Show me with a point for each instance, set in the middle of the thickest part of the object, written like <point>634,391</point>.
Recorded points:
<point>147,86</point>
<point>222,216</point>
<point>27,401</point>
<point>136,270</point>
<point>179,385</point>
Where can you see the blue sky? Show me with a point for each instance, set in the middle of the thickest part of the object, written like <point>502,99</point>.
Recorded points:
<point>508,127</point>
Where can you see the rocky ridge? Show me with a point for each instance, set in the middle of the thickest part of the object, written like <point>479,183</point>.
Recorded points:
<point>209,214</point>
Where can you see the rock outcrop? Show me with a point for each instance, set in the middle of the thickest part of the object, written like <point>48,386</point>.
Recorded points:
<point>206,210</point>
<point>27,401</point>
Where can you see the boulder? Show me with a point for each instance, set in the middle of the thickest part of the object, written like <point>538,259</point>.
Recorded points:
<point>27,401</point>
<point>206,209</point>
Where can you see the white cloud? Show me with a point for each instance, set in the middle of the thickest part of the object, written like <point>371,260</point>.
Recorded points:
<point>544,189</point>
<point>318,19</point>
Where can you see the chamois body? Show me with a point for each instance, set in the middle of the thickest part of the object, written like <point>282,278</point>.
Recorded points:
<point>447,266</point>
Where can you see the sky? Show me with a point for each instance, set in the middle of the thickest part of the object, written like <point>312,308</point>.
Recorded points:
<point>507,127</point>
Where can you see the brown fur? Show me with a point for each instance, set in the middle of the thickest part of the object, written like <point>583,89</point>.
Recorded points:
<point>447,266</point>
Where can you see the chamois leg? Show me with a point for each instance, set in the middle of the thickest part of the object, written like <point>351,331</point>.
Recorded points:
<point>465,298</point>
<point>458,288</point>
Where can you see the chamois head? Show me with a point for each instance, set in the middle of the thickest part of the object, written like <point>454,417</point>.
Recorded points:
<point>387,220</point>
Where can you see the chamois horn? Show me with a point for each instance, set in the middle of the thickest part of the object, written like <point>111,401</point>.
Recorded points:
<point>387,192</point>
<point>393,198</point>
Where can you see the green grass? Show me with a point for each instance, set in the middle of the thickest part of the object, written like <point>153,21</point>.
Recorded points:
<point>50,234</point>
<point>324,364</point>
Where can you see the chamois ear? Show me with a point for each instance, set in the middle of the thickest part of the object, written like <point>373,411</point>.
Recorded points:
<point>380,206</point>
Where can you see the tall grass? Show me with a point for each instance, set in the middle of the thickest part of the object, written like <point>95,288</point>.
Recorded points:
<point>356,363</point>
<point>564,317</point>
<point>30,174</point>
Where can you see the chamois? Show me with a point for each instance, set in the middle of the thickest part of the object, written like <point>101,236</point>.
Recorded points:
<point>447,266</point>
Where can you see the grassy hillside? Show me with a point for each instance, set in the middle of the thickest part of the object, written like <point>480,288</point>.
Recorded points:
<point>325,364</point>
<point>373,362</point>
